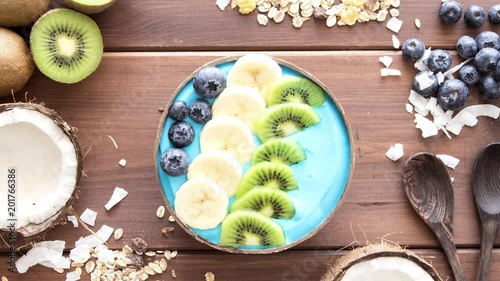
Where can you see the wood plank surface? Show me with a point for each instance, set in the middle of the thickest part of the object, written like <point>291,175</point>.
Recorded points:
<point>286,266</point>
<point>132,25</point>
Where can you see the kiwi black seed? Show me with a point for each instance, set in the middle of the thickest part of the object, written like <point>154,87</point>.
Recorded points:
<point>267,175</point>
<point>250,228</point>
<point>270,202</point>
<point>284,151</point>
<point>66,45</point>
<point>295,89</point>
<point>282,120</point>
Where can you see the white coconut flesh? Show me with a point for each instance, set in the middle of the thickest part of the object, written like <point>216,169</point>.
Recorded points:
<point>45,162</point>
<point>387,269</point>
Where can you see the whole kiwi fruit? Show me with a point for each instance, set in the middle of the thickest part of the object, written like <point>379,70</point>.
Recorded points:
<point>16,63</point>
<point>89,6</point>
<point>21,12</point>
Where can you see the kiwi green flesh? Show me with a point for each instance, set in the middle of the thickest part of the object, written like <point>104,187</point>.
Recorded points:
<point>272,203</point>
<point>267,175</point>
<point>66,45</point>
<point>295,89</point>
<point>282,120</point>
<point>281,151</point>
<point>250,228</point>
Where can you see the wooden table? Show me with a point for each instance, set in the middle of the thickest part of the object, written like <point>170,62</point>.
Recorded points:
<point>152,46</point>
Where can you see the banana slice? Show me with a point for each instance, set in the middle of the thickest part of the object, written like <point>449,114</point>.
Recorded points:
<point>201,203</point>
<point>256,71</point>
<point>219,166</point>
<point>230,134</point>
<point>240,101</point>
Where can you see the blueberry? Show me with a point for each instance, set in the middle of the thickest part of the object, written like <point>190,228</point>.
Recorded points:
<point>486,60</point>
<point>439,60</point>
<point>174,161</point>
<point>488,39</point>
<point>469,75</point>
<point>494,14</point>
<point>453,94</point>
<point>201,111</point>
<point>496,74</point>
<point>209,82</point>
<point>429,91</point>
<point>466,47</point>
<point>178,110</point>
<point>450,12</point>
<point>475,16</point>
<point>181,134</point>
<point>413,49</point>
<point>489,88</point>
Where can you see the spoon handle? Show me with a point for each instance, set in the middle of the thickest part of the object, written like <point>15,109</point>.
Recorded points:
<point>445,237</point>
<point>489,227</point>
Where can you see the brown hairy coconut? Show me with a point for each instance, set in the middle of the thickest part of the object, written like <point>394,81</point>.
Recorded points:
<point>381,262</point>
<point>16,63</point>
<point>41,164</point>
<point>21,12</point>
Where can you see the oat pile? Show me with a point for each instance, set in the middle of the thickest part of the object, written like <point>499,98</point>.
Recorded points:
<point>334,12</point>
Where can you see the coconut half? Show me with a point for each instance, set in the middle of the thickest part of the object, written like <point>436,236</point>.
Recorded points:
<point>46,155</point>
<point>380,262</point>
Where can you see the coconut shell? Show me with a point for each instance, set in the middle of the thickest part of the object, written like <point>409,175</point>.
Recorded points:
<point>237,250</point>
<point>16,62</point>
<point>35,231</point>
<point>88,9</point>
<point>338,268</point>
<point>21,12</point>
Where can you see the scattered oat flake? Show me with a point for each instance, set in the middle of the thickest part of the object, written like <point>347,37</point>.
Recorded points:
<point>171,219</point>
<point>4,278</point>
<point>395,152</point>
<point>209,276</point>
<point>122,162</point>
<point>417,23</point>
<point>73,220</point>
<point>395,42</point>
<point>222,4</point>
<point>118,233</point>
<point>88,216</point>
<point>118,195</point>
<point>160,213</point>
<point>385,60</point>
<point>262,19</point>
<point>449,160</point>
<point>394,24</point>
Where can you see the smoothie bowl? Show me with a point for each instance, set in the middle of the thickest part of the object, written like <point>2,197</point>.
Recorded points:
<point>253,154</point>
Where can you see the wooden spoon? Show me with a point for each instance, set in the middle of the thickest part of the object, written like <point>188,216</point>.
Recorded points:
<point>427,185</point>
<point>486,187</point>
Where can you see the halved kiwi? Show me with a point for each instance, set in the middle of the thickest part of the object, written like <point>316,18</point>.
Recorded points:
<point>270,202</point>
<point>267,175</point>
<point>282,120</point>
<point>89,6</point>
<point>283,151</point>
<point>250,228</point>
<point>295,89</point>
<point>66,45</point>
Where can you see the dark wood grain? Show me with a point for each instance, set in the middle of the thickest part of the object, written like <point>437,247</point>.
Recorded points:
<point>486,189</point>
<point>131,25</point>
<point>285,266</point>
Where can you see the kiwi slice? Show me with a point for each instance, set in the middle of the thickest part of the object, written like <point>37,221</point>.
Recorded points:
<point>267,175</point>
<point>270,202</point>
<point>282,120</point>
<point>283,151</point>
<point>66,45</point>
<point>295,89</point>
<point>250,228</point>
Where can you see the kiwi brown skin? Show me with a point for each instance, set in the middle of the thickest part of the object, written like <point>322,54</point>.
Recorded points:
<point>16,62</point>
<point>88,9</point>
<point>21,12</point>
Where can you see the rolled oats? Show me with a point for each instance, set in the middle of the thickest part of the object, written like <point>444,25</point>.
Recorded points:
<point>209,276</point>
<point>262,19</point>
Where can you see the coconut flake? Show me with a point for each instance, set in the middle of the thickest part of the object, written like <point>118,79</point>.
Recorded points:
<point>118,195</point>
<point>421,63</point>
<point>440,77</point>
<point>72,276</point>
<point>105,255</point>
<point>409,108</point>
<point>63,263</point>
<point>80,254</point>
<point>395,152</point>
<point>395,42</point>
<point>73,220</point>
<point>122,162</point>
<point>384,72</point>
<point>222,4</point>
<point>394,24</point>
<point>419,103</point>
<point>456,124</point>
<point>88,216</point>
<point>452,179</point>
<point>468,119</point>
<point>47,252</point>
<point>424,81</point>
<point>456,68</point>
<point>93,240</point>
<point>427,126</point>
<point>386,61</point>
<point>448,160</point>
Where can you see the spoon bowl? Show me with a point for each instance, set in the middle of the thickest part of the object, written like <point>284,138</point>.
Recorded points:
<point>486,189</point>
<point>427,185</point>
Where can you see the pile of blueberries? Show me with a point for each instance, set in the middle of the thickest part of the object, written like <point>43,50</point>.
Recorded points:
<point>484,49</point>
<point>208,83</point>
